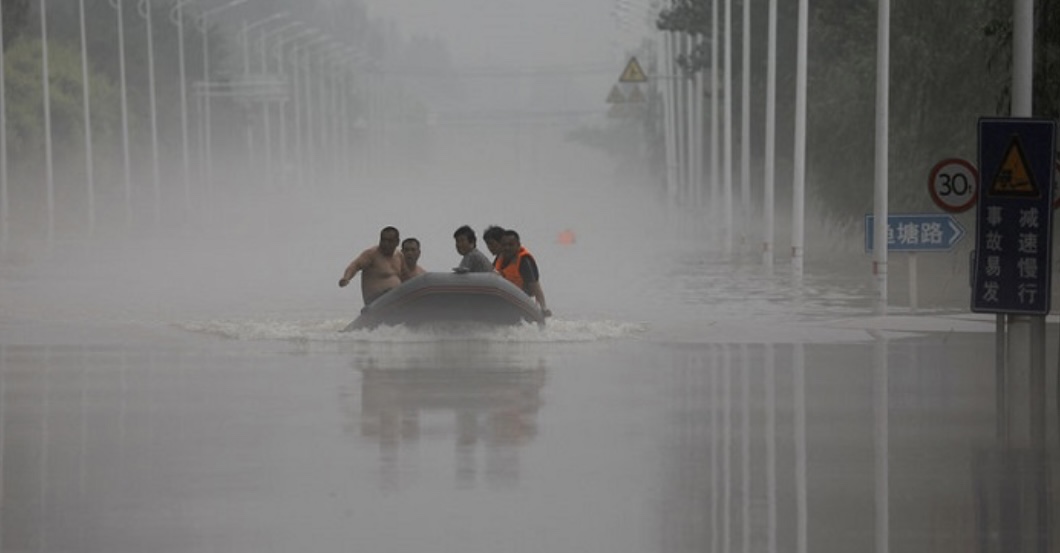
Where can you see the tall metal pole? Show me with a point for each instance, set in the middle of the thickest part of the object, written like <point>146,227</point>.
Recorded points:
<point>881,209</point>
<point>207,126</point>
<point>698,131</point>
<point>307,145</point>
<point>206,158</point>
<point>245,32</point>
<point>126,159</point>
<point>86,98</point>
<point>281,60</point>
<point>176,15</point>
<point>715,153</point>
<point>798,205</point>
<point>1022,58</point>
<point>745,127</point>
<point>670,136</point>
<point>727,140</point>
<point>49,171</point>
<point>266,109</point>
<point>769,200</point>
<point>156,175</point>
<point>1025,334</point>
<point>4,236</point>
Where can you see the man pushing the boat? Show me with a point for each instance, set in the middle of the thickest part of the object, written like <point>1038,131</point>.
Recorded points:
<point>380,267</point>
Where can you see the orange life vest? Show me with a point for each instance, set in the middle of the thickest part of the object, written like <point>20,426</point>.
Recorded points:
<point>511,270</point>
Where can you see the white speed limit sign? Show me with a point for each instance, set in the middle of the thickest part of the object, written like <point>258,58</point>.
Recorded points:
<point>954,185</point>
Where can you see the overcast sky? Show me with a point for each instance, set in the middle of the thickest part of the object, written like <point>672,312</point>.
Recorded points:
<point>514,33</point>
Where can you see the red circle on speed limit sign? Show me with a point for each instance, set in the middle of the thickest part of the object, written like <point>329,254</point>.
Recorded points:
<point>954,185</point>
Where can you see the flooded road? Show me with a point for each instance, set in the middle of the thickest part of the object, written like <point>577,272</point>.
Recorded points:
<point>755,428</point>
<point>194,393</point>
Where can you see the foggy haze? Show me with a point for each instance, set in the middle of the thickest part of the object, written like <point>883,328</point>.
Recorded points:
<point>174,375</point>
<point>511,35</point>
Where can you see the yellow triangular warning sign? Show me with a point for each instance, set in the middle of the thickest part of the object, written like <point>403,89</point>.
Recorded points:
<point>633,73</point>
<point>1013,179</point>
<point>635,96</point>
<point>616,96</point>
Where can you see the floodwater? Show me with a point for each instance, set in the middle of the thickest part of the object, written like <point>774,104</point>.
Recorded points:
<point>687,405</point>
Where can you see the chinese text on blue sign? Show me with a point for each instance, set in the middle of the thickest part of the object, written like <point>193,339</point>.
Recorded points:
<point>1014,220</point>
<point>917,232</point>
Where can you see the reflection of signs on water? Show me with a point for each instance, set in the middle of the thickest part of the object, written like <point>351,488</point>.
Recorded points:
<point>494,408</point>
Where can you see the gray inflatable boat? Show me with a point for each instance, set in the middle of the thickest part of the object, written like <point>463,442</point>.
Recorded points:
<point>434,298</point>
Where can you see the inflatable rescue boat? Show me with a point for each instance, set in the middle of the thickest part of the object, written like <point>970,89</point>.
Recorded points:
<point>438,297</point>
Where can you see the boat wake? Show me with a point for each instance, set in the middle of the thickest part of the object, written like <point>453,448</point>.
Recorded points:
<point>557,330</point>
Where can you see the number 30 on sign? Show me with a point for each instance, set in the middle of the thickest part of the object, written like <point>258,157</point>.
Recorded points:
<point>954,185</point>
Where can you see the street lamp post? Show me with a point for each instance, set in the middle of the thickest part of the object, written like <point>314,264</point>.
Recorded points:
<point>303,102</point>
<point>207,155</point>
<point>265,109</point>
<point>341,61</point>
<point>247,27</point>
<point>144,9</point>
<point>176,15</point>
<point>117,4</point>
<point>49,172</point>
<point>89,170</point>
<point>311,107</point>
<point>294,90</point>
<point>3,144</point>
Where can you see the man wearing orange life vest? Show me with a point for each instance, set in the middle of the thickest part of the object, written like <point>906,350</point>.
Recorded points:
<point>517,265</point>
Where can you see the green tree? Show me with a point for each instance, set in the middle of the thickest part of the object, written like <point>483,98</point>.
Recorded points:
<point>25,122</point>
<point>1046,92</point>
<point>939,86</point>
<point>15,16</point>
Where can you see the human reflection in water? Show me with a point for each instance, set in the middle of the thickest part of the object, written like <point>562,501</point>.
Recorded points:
<point>494,408</point>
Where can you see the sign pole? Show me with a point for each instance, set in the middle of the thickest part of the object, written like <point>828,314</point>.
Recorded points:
<point>879,266</point>
<point>913,296</point>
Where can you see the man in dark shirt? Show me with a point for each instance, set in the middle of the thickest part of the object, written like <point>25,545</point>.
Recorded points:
<point>473,261</point>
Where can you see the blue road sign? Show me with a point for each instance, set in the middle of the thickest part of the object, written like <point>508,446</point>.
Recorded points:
<point>917,232</point>
<point>1014,216</point>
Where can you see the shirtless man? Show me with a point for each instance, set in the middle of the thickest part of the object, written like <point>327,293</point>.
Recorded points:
<point>380,266</point>
<point>410,250</point>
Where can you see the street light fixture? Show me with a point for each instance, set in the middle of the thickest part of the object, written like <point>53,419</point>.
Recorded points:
<point>144,8</point>
<point>265,108</point>
<point>301,148</point>
<point>296,95</point>
<point>3,145</point>
<point>207,154</point>
<point>89,178</point>
<point>176,15</point>
<point>49,172</point>
<point>247,27</point>
<point>117,4</point>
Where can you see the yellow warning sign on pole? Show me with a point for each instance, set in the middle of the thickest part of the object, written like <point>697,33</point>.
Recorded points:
<point>633,73</point>
<point>1013,179</point>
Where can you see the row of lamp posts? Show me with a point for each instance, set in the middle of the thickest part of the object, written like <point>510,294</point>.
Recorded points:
<point>329,52</point>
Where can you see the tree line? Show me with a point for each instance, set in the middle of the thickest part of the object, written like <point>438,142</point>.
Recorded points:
<point>345,23</point>
<point>949,65</point>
